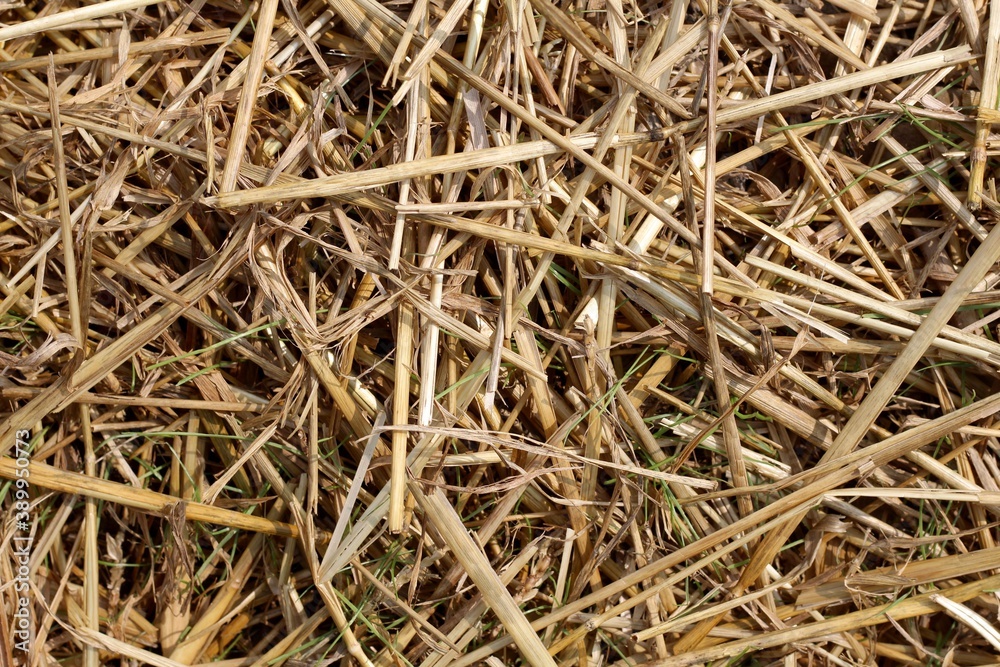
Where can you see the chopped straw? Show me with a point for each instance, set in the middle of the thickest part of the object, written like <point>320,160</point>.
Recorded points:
<point>538,332</point>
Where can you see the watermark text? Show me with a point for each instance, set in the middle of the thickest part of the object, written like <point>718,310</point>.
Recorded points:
<point>22,631</point>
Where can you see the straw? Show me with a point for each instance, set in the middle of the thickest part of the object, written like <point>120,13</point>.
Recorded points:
<point>496,333</point>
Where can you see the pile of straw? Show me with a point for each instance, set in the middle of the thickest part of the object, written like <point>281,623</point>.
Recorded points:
<point>499,332</point>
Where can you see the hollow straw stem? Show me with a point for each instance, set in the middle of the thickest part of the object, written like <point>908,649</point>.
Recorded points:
<point>55,21</point>
<point>248,95</point>
<point>439,511</point>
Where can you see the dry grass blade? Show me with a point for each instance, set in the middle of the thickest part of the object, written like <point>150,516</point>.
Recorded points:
<point>970,618</point>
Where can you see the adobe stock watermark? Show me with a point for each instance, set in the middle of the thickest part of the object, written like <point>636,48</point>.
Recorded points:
<point>23,632</point>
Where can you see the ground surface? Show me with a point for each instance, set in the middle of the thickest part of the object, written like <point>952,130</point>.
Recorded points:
<point>499,332</point>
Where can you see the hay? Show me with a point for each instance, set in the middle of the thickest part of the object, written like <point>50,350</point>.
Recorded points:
<point>345,332</point>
